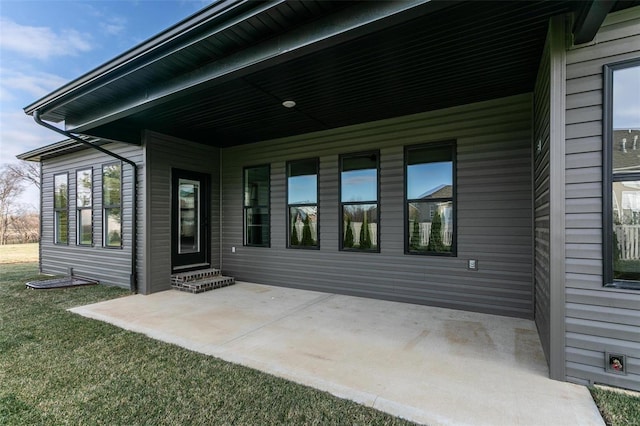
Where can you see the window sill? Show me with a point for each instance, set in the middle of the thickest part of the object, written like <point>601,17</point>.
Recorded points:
<point>624,285</point>
<point>357,250</point>
<point>431,253</point>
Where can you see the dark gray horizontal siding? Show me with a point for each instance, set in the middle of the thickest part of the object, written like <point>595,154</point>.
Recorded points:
<point>111,266</point>
<point>493,202</point>
<point>162,154</point>
<point>598,319</point>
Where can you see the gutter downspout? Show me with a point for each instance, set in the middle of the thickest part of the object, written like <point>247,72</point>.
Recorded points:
<point>133,282</point>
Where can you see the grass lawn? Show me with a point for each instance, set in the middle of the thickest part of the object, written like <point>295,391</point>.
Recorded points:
<point>617,407</point>
<point>59,368</point>
<point>18,253</point>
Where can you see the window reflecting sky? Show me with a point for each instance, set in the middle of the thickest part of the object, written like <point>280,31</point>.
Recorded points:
<point>626,98</point>
<point>423,179</point>
<point>303,189</point>
<point>360,185</point>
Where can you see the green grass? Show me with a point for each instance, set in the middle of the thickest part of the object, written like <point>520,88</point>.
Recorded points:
<point>617,408</point>
<point>59,368</point>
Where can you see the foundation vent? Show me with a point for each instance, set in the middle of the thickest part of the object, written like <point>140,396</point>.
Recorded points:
<point>615,363</point>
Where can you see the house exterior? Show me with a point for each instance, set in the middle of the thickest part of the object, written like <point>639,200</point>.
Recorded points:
<point>468,155</point>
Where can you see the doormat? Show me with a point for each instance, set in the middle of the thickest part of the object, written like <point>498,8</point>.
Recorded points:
<point>60,283</point>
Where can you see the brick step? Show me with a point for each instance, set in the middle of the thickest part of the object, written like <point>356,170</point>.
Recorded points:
<point>203,284</point>
<point>201,274</point>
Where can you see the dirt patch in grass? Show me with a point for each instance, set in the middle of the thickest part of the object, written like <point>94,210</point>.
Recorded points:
<point>19,253</point>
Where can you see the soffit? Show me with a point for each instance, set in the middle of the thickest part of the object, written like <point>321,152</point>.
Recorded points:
<point>464,52</point>
<point>250,23</point>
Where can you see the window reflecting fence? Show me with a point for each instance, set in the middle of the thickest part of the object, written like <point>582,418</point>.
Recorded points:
<point>628,237</point>
<point>356,229</point>
<point>425,232</point>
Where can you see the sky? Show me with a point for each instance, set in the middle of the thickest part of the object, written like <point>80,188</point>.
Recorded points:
<point>46,44</point>
<point>626,95</point>
<point>423,179</point>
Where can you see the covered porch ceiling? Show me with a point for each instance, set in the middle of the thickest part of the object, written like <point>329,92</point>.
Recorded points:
<point>223,82</point>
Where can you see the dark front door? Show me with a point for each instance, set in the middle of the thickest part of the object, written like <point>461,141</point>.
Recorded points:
<point>190,201</point>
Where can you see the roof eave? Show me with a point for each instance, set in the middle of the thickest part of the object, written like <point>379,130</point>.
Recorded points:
<point>137,53</point>
<point>58,148</point>
<point>293,44</point>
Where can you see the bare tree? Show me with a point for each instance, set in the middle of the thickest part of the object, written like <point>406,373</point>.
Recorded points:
<point>11,186</point>
<point>27,171</point>
<point>24,227</point>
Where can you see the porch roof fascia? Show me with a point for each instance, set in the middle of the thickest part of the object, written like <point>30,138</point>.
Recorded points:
<point>58,148</point>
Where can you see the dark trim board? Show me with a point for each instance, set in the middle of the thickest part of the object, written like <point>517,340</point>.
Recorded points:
<point>557,194</point>
<point>607,175</point>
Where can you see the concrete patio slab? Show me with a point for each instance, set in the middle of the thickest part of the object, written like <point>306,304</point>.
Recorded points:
<point>430,365</point>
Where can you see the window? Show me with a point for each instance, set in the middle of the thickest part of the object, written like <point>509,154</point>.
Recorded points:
<point>189,216</point>
<point>359,201</point>
<point>84,204</point>
<point>256,206</point>
<point>430,189</point>
<point>112,204</point>
<point>302,203</point>
<point>61,209</point>
<point>621,156</point>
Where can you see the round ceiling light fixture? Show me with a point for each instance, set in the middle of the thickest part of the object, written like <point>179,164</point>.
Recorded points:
<point>289,104</point>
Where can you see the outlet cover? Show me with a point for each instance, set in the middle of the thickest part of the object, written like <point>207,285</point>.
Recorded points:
<point>472,264</point>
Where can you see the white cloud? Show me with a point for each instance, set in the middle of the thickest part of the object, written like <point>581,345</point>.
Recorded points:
<point>197,4</point>
<point>5,94</point>
<point>42,42</point>
<point>35,84</point>
<point>626,93</point>
<point>114,25</point>
<point>19,134</point>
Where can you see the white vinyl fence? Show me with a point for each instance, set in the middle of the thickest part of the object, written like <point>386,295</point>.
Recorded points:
<point>312,225</point>
<point>425,232</point>
<point>373,233</point>
<point>628,241</point>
